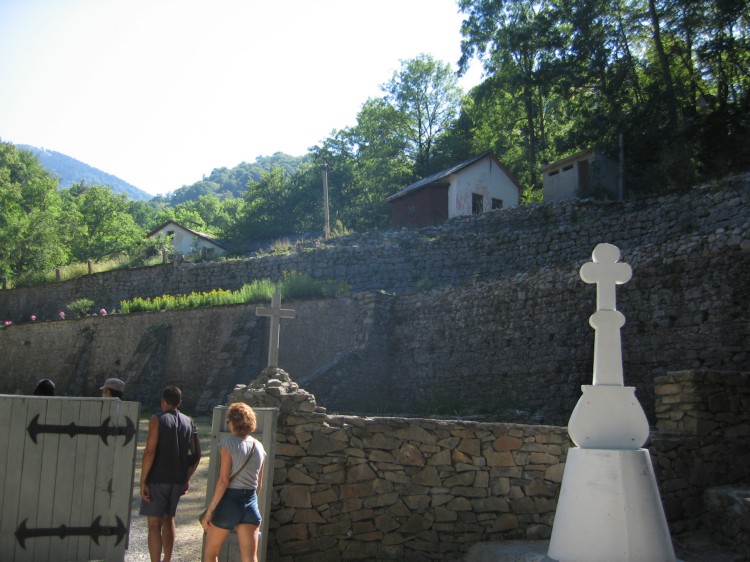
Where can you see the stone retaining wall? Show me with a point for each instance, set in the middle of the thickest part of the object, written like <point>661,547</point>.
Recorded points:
<point>497,244</point>
<point>386,488</point>
<point>703,440</point>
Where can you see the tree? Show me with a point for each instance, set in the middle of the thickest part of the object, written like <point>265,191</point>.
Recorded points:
<point>670,75</point>
<point>101,226</point>
<point>268,202</point>
<point>30,240</point>
<point>373,165</point>
<point>426,93</point>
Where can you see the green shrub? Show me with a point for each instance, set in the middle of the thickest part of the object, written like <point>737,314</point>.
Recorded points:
<point>293,285</point>
<point>80,307</point>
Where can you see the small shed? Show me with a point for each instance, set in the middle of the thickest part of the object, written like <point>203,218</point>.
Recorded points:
<point>188,242</point>
<point>470,187</point>
<point>583,174</point>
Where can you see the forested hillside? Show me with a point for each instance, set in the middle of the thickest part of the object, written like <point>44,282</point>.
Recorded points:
<point>70,171</point>
<point>662,86</point>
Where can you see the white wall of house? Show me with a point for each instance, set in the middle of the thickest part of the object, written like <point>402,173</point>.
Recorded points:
<point>561,183</point>
<point>483,178</point>
<point>562,179</point>
<point>186,242</point>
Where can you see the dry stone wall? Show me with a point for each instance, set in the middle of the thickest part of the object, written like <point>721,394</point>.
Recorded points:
<point>363,488</point>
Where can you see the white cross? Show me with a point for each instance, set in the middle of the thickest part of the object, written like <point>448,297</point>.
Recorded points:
<point>606,273</point>
<point>275,313</point>
<point>606,321</point>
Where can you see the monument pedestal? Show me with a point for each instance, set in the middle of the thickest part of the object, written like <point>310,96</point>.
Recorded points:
<point>610,509</point>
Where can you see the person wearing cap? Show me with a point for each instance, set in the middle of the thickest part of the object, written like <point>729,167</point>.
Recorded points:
<point>45,387</point>
<point>113,388</point>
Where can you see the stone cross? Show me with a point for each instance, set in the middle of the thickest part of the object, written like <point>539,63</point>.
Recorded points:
<point>607,273</point>
<point>275,313</point>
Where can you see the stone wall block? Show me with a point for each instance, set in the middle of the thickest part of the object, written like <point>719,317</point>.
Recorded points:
<point>441,458</point>
<point>381,500</point>
<point>503,459</point>
<point>427,477</point>
<point>409,455</point>
<point>360,472</point>
<point>505,522</point>
<point>506,443</point>
<point>386,523</point>
<point>355,490</point>
<point>296,496</point>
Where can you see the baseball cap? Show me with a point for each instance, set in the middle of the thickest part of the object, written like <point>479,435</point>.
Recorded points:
<point>114,384</point>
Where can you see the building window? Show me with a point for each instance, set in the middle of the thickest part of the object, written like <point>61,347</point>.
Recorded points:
<point>477,203</point>
<point>497,203</point>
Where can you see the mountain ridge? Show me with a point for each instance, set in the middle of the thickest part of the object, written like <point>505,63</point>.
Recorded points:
<point>70,171</point>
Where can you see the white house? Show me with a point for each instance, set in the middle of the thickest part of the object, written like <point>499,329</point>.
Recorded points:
<point>188,242</point>
<point>470,187</point>
<point>584,174</point>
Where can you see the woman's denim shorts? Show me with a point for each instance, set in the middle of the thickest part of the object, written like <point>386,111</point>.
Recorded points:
<point>237,506</point>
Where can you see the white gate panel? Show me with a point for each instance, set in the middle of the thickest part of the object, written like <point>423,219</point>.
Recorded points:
<point>68,479</point>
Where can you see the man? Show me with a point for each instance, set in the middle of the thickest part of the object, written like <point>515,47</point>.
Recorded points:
<point>113,388</point>
<point>170,459</point>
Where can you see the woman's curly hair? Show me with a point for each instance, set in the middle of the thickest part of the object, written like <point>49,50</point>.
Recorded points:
<point>242,417</point>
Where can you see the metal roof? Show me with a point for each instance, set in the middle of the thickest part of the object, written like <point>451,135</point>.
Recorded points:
<point>436,177</point>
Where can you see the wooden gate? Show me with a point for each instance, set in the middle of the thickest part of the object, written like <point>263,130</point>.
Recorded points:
<point>66,477</point>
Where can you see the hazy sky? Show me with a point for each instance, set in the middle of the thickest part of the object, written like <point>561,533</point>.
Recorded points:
<point>161,92</point>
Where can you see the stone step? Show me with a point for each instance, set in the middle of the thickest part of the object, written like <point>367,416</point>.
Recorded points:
<point>727,517</point>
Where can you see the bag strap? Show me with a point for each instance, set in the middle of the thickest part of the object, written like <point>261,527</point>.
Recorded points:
<point>244,463</point>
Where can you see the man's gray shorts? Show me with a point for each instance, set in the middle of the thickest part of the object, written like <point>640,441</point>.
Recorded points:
<point>164,499</point>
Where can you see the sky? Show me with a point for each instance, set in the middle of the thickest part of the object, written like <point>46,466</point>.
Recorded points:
<point>161,92</point>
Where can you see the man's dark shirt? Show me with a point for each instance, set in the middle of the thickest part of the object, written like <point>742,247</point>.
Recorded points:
<point>174,455</point>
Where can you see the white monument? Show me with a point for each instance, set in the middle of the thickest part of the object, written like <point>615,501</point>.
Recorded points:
<point>609,506</point>
<point>275,313</point>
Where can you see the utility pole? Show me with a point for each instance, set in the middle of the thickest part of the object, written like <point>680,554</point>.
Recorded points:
<point>621,171</point>
<point>325,199</point>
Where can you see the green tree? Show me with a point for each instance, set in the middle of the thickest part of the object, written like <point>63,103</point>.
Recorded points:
<point>425,92</point>
<point>100,225</point>
<point>518,42</point>
<point>268,203</point>
<point>30,239</point>
<point>671,76</point>
<point>144,213</point>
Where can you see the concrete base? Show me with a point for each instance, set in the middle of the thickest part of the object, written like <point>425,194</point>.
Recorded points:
<point>610,509</point>
<point>510,551</point>
<point>536,551</point>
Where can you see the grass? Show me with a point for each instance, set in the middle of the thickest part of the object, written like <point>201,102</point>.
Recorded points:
<point>75,270</point>
<point>293,285</point>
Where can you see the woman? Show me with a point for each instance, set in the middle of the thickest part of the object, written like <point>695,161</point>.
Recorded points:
<point>235,500</point>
